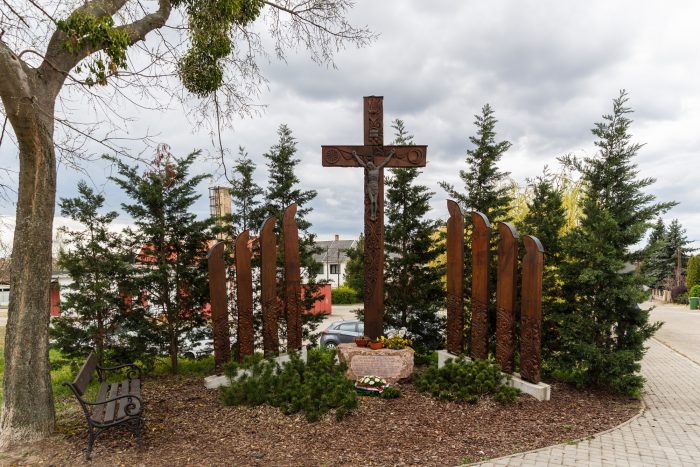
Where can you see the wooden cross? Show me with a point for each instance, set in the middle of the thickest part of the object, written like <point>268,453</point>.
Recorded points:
<point>373,156</point>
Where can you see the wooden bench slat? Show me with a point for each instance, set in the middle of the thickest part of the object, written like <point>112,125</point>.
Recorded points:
<point>136,387</point>
<point>123,402</point>
<point>98,413</point>
<point>110,406</point>
<point>85,374</point>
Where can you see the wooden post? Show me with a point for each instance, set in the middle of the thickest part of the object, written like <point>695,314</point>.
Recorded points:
<point>292,277</point>
<point>219,306</point>
<point>505,296</point>
<point>480,285</point>
<point>244,297</point>
<point>455,279</point>
<point>531,310</point>
<point>268,284</point>
<point>374,224</point>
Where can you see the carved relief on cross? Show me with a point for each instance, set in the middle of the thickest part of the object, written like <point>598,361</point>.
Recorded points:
<point>373,156</point>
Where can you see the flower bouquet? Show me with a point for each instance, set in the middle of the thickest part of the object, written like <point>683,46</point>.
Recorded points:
<point>371,385</point>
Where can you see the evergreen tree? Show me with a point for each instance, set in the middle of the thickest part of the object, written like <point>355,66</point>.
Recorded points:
<point>98,266</point>
<point>282,190</point>
<point>675,252</point>
<point>546,220</point>
<point>653,261</point>
<point>414,292</point>
<point>172,247</point>
<point>245,195</point>
<point>486,187</point>
<point>355,268</point>
<point>604,330</point>
<point>693,277</point>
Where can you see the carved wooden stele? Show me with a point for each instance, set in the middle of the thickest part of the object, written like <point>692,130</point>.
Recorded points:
<point>455,279</point>
<point>505,296</point>
<point>531,310</point>
<point>292,278</point>
<point>480,285</point>
<point>219,306</point>
<point>244,296</point>
<point>268,284</point>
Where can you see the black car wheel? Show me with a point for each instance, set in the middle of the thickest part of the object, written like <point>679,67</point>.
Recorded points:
<point>331,344</point>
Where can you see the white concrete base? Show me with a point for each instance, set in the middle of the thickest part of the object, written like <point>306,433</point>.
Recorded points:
<point>540,391</point>
<point>444,355</point>
<point>216,381</point>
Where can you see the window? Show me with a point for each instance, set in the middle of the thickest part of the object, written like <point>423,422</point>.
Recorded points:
<point>334,269</point>
<point>4,296</point>
<point>347,327</point>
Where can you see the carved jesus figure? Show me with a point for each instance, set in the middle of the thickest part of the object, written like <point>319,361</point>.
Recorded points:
<point>373,179</point>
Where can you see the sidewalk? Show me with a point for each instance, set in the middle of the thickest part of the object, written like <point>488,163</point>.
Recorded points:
<point>667,433</point>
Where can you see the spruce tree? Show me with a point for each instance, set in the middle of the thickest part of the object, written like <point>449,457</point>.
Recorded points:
<point>282,190</point>
<point>172,245</point>
<point>245,194</point>
<point>604,330</point>
<point>653,257</point>
<point>355,268</point>
<point>485,187</point>
<point>675,253</point>
<point>546,219</point>
<point>98,266</point>
<point>414,292</point>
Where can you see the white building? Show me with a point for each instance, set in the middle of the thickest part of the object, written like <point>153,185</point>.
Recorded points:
<point>334,259</point>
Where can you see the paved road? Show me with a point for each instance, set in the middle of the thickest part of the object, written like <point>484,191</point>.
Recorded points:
<point>681,329</point>
<point>668,432</point>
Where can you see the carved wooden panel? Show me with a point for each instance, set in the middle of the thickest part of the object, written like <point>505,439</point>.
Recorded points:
<point>505,296</point>
<point>455,279</point>
<point>292,277</point>
<point>404,156</point>
<point>531,310</point>
<point>219,306</point>
<point>244,296</point>
<point>480,285</point>
<point>268,284</point>
<point>374,120</point>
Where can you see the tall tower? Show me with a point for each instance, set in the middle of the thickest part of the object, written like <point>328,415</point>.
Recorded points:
<point>220,206</point>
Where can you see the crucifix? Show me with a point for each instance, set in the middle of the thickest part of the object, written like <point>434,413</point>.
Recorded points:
<point>373,156</point>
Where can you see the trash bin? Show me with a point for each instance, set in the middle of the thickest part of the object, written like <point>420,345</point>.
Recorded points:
<point>694,302</point>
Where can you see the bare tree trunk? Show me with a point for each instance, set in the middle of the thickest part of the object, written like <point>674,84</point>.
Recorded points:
<point>28,411</point>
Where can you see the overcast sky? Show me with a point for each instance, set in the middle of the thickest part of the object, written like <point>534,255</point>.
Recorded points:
<point>549,69</point>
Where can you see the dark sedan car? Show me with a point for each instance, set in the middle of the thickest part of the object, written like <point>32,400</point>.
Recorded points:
<point>342,332</point>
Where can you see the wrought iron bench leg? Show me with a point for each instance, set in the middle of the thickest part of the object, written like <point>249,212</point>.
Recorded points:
<point>91,441</point>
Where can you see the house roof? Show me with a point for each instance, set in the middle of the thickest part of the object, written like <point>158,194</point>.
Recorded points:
<point>333,251</point>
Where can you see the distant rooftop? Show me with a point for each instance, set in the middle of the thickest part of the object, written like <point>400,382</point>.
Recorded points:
<point>333,251</point>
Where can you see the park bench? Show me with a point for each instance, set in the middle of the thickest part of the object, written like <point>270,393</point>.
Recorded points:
<point>117,404</point>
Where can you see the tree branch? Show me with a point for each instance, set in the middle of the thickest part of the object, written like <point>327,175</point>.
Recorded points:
<point>59,62</point>
<point>15,77</point>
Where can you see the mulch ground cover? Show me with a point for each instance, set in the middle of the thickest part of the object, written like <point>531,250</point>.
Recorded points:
<point>187,425</point>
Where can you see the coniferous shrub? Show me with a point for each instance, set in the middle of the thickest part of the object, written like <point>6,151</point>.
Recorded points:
<point>313,387</point>
<point>695,291</point>
<point>693,273</point>
<point>344,296</point>
<point>603,330</point>
<point>464,380</point>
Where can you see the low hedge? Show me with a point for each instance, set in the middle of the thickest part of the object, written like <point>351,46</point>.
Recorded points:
<point>344,296</point>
